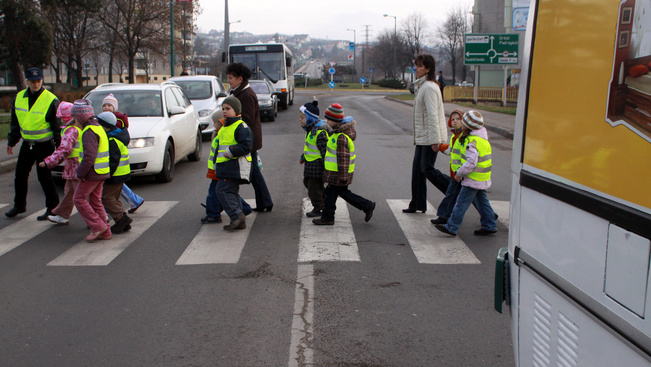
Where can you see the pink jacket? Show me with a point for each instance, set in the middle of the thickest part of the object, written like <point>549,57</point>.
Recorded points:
<point>68,142</point>
<point>471,163</point>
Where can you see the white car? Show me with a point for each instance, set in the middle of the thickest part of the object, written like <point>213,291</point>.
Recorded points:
<point>207,93</point>
<point>163,125</point>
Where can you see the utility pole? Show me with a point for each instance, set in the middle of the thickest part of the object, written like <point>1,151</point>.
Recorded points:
<point>395,40</point>
<point>366,35</point>
<point>171,40</point>
<point>227,29</point>
<point>354,49</point>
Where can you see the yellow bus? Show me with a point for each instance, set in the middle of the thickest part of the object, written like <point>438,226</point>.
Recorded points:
<point>576,273</point>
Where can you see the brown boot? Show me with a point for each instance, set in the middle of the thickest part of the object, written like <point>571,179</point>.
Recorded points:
<point>239,223</point>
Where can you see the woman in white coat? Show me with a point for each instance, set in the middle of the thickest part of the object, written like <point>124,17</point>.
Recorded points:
<point>430,130</point>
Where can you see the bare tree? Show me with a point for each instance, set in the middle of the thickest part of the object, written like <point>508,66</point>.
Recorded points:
<point>380,56</point>
<point>413,29</point>
<point>451,35</point>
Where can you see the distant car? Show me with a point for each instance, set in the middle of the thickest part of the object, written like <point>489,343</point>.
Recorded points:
<point>207,93</point>
<point>464,84</point>
<point>267,98</point>
<point>411,88</point>
<point>163,124</point>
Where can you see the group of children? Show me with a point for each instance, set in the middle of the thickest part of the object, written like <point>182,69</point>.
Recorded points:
<point>96,166</point>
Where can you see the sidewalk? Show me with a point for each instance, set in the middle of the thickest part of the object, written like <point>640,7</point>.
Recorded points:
<point>499,123</point>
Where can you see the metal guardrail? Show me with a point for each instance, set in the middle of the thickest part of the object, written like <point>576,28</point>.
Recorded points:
<point>455,93</point>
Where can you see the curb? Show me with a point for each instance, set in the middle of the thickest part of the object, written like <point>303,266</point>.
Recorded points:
<point>8,166</point>
<point>496,129</point>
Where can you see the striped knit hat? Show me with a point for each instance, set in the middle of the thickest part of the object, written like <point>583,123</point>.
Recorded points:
<point>82,110</point>
<point>473,120</point>
<point>335,112</point>
<point>110,99</point>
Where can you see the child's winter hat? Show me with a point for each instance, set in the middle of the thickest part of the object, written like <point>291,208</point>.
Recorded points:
<point>63,111</point>
<point>110,99</point>
<point>234,103</point>
<point>107,119</point>
<point>335,112</point>
<point>82,110</point>
<point>312,107</point>
<point>217,115</point>
<point>310,118</point>
<point>473,120</point>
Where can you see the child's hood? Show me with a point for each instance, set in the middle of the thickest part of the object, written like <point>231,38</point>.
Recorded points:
<point>458,111</point>
<point>482,133</point>
<point>347,128</point>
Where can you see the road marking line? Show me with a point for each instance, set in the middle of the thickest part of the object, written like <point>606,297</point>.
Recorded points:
<point>502,208</point>
<point>327,243</point>
<point>3,205</point>
<point>101,253</point>
<point>301,352</point>
<point>214,245</point>
<point>429,244</point>
<point>23,230</point>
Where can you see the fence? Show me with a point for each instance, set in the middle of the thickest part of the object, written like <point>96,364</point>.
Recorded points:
<point>485,94</point>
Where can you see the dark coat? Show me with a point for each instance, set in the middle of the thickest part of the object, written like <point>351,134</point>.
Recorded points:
<point>114,154</point>
<point>250,112</point>
<point>14,135</point>
<point>244,138</point>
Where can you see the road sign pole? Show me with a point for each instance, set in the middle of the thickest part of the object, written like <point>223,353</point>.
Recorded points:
<point>475,92</point>
<point>504,91</point>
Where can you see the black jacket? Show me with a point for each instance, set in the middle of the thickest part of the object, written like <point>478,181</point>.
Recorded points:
<point>114,154</point>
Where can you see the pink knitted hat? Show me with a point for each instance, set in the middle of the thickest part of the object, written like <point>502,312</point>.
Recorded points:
<point>82,110</point>
<point>63,112</point>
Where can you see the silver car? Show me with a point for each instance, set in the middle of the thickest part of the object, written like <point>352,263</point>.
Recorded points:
<point>207,93</point>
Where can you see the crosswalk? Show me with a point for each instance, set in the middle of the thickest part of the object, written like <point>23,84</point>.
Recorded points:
<point>213,245</point>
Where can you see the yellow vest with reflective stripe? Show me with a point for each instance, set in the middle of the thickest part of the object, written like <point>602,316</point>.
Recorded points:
<point>310,150</point>
<point>225,139</point>
<point>123,167</point>
<point>482,171</point>
<point>331,154</point>
<point>213,150</point>
<point>455,154</point>
<point>77,148</point>
<point>101,165</point>
<point>33,126</point>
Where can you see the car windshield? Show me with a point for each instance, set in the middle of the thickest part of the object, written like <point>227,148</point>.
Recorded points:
<point>260,88</point>
<point>133,103</point>
<point>196,89</point>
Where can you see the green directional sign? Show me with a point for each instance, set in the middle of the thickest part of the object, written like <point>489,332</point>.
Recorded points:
<point>496,49</point>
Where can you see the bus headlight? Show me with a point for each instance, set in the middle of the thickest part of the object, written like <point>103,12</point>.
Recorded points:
<point>141,143</point>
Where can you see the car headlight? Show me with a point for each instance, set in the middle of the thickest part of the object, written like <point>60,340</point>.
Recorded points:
<point>204,113</point>
<point>141,143</point>
<point>266,103</point>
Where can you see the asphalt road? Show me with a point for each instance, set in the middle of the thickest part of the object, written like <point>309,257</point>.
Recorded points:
<point>389,308</point>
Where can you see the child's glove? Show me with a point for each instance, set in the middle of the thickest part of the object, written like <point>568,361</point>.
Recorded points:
<point>211,174</point>
<point>227,153</point>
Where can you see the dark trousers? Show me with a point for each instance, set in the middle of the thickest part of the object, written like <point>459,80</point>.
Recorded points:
<point>330,199</point>
<point>315,190</point>
<point>262,196</point>
<point>228,194</point>
<point>213,207</point>
<point>422,170</point>
<point>28,155</point>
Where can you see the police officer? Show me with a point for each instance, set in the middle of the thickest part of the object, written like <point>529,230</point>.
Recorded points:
<point>33,118</point>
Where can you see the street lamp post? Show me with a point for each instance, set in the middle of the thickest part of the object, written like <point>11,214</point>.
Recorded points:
<point>354,48</point>
<point>395,36</point>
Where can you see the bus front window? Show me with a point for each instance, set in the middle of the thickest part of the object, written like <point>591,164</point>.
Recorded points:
<point>272,64</point>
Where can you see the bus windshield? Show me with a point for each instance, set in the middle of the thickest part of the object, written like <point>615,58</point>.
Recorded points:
<point>271,63</point>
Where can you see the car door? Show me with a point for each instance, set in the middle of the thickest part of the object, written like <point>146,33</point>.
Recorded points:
<point>177,125</point>
<point>191,118</point>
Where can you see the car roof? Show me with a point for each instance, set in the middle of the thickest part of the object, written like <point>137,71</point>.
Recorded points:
<point>193,77</point>
<point>122,86</point>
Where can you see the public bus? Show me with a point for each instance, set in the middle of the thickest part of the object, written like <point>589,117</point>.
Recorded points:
<point>576,273</point>
<point>271,61</point>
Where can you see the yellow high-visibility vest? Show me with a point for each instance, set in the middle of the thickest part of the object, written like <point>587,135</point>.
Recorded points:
<point>101,165</point>
<point>225,139</point>
<point>310,150</point>
<point>213,150</point>
<point>33,126</point>
<point>123,167</point>
<point>331,154</point>
<point>77,148</point>
<point>484,163</point>
<point>455,154</point>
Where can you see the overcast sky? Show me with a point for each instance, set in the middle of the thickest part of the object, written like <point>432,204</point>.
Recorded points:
<point>321,19</point>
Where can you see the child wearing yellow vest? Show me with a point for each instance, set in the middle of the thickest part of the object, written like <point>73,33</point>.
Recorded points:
<point>92,171</point>
<point>67,152</point>
<point>474,175</point>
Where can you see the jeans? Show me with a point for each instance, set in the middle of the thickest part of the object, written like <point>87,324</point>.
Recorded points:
<point>447,204</point>
<point>130,197</point>
<point>330,199</point>
<point>315,190</point>
<point>27,156</point>
<point>214,208</point>
<point>262,196</point>
<point>88,200</point>
<point>422,170</point>
<point>466,196</point>
<point>228,194</point>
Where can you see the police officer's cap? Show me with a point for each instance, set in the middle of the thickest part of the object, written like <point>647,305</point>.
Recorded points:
<point>34,74</point>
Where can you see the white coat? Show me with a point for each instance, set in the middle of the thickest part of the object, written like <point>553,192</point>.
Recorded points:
<point>430,126</point>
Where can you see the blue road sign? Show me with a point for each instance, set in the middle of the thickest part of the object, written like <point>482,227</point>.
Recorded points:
<point>370,70</point>
<point>352,46</point>
<point>331,71</point>
<point>331,84</point>
<point>362,80</point>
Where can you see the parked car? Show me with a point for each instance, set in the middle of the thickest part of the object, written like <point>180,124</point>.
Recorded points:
<point>163,124</point>
<point>267,98</point>
<point>207,93</point>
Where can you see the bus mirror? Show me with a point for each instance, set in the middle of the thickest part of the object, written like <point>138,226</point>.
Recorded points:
<point>223,56</point>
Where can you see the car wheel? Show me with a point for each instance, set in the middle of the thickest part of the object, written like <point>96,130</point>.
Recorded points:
<point>196,155</point>
<point>167,174</point>
<point>272,117</point>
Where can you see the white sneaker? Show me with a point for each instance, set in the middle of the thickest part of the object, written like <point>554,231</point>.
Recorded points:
<point>57,219</point>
